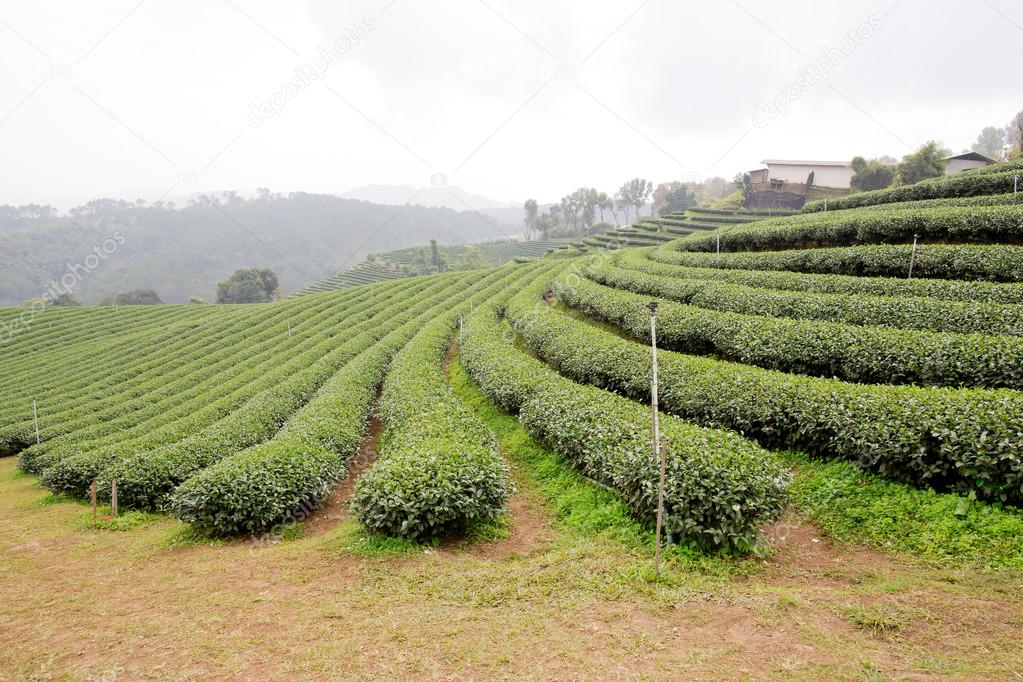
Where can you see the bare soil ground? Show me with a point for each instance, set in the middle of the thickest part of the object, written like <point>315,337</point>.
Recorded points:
<point>153,603</point>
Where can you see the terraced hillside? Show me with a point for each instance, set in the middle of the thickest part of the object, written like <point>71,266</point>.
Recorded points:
<point>651,231</point>
<point>778,333</point>
<point>415,261</point>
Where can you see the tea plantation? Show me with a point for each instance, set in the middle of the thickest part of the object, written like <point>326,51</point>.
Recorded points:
<point>778,333</point>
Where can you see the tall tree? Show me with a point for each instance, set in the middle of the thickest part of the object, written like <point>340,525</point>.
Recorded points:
<point>531,217</point>
<point>636,192</point>
<point>661,195</point>
<point>1014,132</point>
<point>926,162</point>
<point>604,203</point>
<point>250,285</point>
<point>436,258</point>
<point>873,174</point>
<point>678,200</point>
<point>134,297</point>
<point>990,142</point>
<point>64,300</point>
<point>623,203</point>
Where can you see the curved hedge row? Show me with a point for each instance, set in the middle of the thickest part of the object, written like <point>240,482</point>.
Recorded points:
<point>720,487</point>
<point>171,422</point>
<point>965,440</point>
<point>923,314</point>
<point>1001,224</point>
<point>862,354</point>
<point>946,290</point>
<point>287,477</point>
<point>995,181</point>
<point>161,371</point>
<point>438,468</point>
<point>254,489</point>
<point>995,263</point>
<point>146,477</point>
<point>159,388</point>
<point>981,200</point>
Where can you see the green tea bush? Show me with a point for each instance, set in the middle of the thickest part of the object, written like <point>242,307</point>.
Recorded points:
<point>721,487</point>
<point>862,354</point>
<point>946,290</point>
<point>965,440</point>
<point>992,262</point>
<point>908,313</point>
<point>438,470</point>
<point>978,224</point>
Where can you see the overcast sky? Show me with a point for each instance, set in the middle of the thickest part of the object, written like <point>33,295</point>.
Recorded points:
<point>506,99</point>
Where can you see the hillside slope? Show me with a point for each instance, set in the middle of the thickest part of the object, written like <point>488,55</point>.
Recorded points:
<point>185,251</point>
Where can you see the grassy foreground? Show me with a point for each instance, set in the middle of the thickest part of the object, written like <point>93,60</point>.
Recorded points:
<point>561,590</point>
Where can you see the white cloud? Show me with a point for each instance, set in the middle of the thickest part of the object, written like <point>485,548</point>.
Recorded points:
<point>467,88</point>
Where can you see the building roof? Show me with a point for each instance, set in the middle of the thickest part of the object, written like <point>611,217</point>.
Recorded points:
<point>970,156</point>
<point>782,162</point>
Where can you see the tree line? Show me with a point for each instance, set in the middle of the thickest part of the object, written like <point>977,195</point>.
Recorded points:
<point>587,210</point>
<point>928,161</point>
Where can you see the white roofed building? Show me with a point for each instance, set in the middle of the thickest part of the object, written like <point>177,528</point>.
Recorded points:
<point>967,161</point>
<point>836,174</point>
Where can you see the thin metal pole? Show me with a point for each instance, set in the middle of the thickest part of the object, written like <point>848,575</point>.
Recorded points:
<point>825,204</point>
<point>912,256</point>
<point>717,256</point>
<point>1015,185</point>
<point>35,416</point>
<point>657,439</point>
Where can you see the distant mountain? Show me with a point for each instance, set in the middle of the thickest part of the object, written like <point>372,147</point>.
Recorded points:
<point>185,251</point>
<point>506,214</point>
<point>448,196</point>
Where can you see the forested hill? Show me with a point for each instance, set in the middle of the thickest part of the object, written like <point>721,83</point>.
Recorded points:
<point>184,251</point>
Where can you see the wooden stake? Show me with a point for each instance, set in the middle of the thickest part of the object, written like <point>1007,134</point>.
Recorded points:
<point>113,496</point>
<point>94,500</point>
<point>717,257</point>
<point>912,256</point>
<point>35,416</point>
<point>658,453</point>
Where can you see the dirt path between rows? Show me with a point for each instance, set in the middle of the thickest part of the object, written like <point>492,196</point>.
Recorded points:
<point>335,509</point>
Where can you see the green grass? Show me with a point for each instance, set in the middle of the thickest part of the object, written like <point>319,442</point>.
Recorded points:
<point>884,619</point>
<point>944,528</point>
<point>124,522</point>
<point>353,540</point>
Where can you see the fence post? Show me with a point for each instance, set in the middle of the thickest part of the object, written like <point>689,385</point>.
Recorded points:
<point>912,256</point>
<point>717,256</point>
<point>93,500</point>
<point>113,495</point>
<point>656,439</point>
